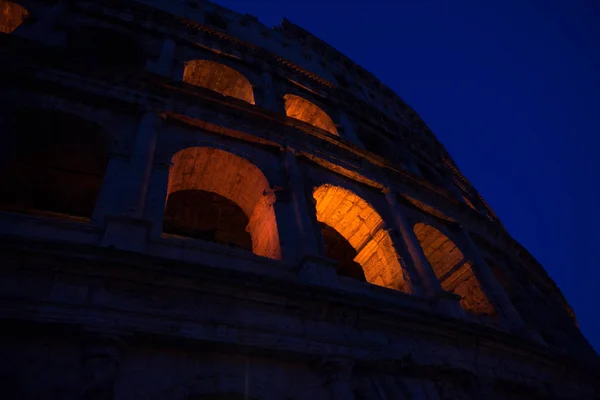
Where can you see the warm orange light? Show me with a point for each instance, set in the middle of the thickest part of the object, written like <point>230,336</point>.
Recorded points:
<point>304,110</point>
<point>230,176</point>
<point>453,270</point>
<point>220,78</point>
<point>363,228</point>
<point>427,208</point>
<point>469,203</point>
<point>11,16</point>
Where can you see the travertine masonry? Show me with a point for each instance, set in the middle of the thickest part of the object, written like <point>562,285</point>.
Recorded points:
<point>195,206</point>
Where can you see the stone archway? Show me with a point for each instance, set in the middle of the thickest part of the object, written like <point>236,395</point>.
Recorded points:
<point>304,110</point>
<point>217,196</point>
<point>453,269</point>
<point>364,230</point>
<point>56,165</point>
<point>219,78</point>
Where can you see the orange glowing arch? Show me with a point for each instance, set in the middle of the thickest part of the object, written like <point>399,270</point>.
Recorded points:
<point>359,223</point>
<point>454,271</point>
<point>304,110</point>
<point>235,178</point>
<point>220,78</point>
<point>11,16</point>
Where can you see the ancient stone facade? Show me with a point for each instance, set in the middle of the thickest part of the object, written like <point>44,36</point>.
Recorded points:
<point>195,206</point>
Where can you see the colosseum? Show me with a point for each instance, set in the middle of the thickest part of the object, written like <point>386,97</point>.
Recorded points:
<point>195,206</point>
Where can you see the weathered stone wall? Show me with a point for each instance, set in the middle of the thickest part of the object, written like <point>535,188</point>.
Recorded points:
<point>109,305</point>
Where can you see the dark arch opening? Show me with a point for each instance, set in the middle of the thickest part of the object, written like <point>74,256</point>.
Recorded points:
<point>339,249</point>
<point>208,216</point>
<point>57,164</point>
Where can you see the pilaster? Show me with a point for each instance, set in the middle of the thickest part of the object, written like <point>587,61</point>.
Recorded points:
<point>124,197</point>
<point>267,96</point>
<point>491,285</point>
<point>299,231</point>
<point>156,198</point>
<point>164,64</point>
<point>420,267</point>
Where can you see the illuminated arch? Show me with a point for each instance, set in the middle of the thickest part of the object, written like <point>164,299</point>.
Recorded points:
<point>204,171</point>
<point>58,164</point>
<point>363,228</point>
<point>11,16</point>
<point>454,271</point>
<point>220,78</point>
<point>304,110</point>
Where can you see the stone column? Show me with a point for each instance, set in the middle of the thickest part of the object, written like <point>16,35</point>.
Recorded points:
<point>125,228</point>
<point>156,198</point>
<point>302,228</point>
<point>267,96</point>
<point>101,360</point>
<point>337,374</point>
<point>491,284</point>
<point>110,199</point>
<point>306,222</point>
<point>447,302</point>
<point>423,269</point>
<point>141,163</point>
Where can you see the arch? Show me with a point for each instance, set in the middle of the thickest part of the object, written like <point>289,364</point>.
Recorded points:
<point>304,110</point>
<point>57,164</point>
<point>219,78</point>
<point>218,196</point>
<point>454,271</point>
<point>358,223</point>
<point>11,16</point>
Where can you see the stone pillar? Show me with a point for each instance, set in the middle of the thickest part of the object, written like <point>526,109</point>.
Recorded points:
<point>423,269</point>
<point>165,61</point>
<point>337,375</point>
<point>101,360</point>
<point>141,164</point>
<point>110,199</point>
<point>267,96</point>
<point>124,227</point>
<point>448,303</point>
<point>156,198</point>
<point>300,228</point>
<point>491,285</point>
<point>306,222</point>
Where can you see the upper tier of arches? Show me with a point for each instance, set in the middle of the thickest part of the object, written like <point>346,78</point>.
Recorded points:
<point>94,43</point>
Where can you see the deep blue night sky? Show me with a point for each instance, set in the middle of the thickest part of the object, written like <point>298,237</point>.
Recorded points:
<point>512,89</point>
